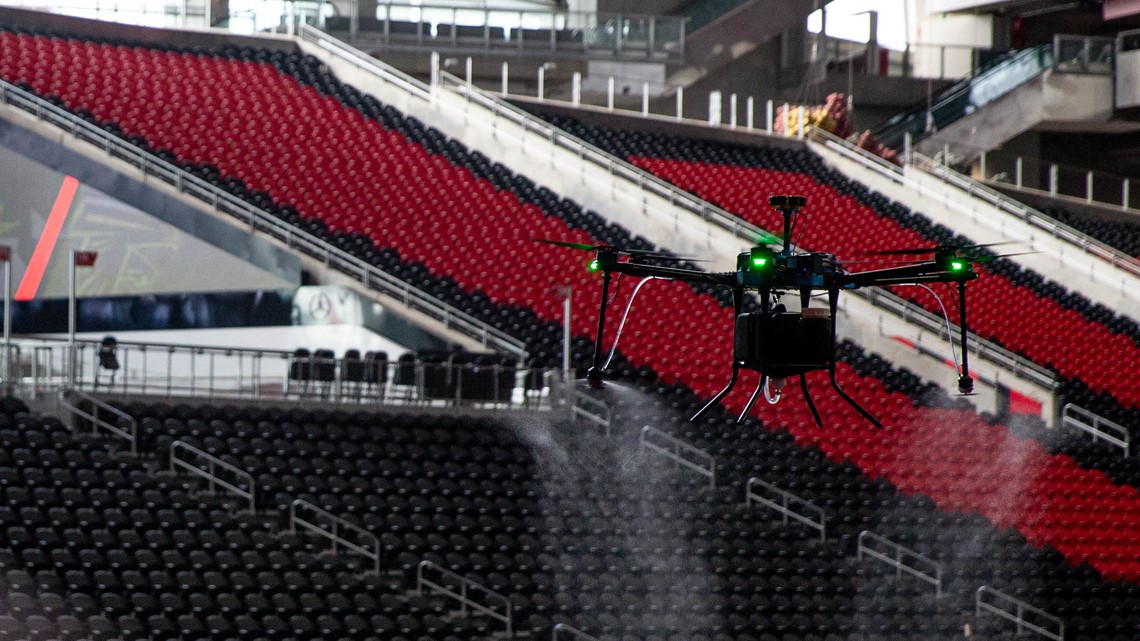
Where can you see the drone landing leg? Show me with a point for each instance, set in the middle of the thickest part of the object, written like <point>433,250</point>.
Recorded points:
<point>810,403</point>
<point>716,399</point>
<point>752,400</point>
<point>850,401</point>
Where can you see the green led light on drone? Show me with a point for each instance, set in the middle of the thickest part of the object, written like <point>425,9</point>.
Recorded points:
<point>759,261</point>
<point>594,265</point>
<point>957,266</point>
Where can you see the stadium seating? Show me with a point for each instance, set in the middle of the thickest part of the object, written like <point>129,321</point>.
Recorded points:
<point>279,130</point>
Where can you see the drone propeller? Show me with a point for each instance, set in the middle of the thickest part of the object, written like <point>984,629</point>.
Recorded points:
<point>934,250</point>
<point>633,253</point>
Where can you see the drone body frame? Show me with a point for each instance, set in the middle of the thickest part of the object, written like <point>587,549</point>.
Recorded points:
<point>774,342</point>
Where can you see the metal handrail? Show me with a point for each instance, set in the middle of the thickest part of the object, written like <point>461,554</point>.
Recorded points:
<point>465,586</point>
<point>593,411</point>
<point>332,530</point>
<point>210,473</point>
<point>615,166</point>
<point>784,507</point>
<point>676,450</point>
<point>899,559</point>
<point>130,434</point>
<point>1018,616</point>
<point>573,633</point>
<point>261,221</point>
<point>1029,215</point>
<point>1099,427</point>
<point>364,62</point>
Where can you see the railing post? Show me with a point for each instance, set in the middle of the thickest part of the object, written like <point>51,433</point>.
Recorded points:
<point>732,110</point>
<point>1017,170</point>
<point>469,70</point>
<point>1053,175</point>
<point>506,78</point>
<point>434,64</point>
<point>802,123</point>
<point>645,99</point>
<point>541,82</point>
<point>1124,195</point>
<point>680,102</point>
<point>982,162</point>
<point>610,84</point>
<point>1089,186</point>
<point>750,113</point>
<point>715,108</point>
<point>769,115</point>
<point>908,148</point>
<point>576,88</point>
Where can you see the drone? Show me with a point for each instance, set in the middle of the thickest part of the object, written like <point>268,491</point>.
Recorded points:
<point>775,342</point>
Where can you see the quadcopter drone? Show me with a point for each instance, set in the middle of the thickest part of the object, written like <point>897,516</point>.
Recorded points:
<point>775,342</point>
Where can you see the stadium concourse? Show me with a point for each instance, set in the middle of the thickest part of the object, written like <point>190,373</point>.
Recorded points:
<point>566,525</point>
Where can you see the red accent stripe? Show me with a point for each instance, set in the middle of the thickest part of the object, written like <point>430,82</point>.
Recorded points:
<point>30,284</point>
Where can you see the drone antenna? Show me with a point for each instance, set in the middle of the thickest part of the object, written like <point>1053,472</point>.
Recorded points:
<point>788,206</point>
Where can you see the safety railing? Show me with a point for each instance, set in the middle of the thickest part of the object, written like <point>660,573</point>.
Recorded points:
<point>364,62</point>
<point>1025,213</point>
<point>1069,184</point>
<point>216,472</point>
<point>561,629</point>
<point>502,31</point>
<point>1025,616</point>
<point>787,504</point>
<point>593,411</point>
<point>902,559</point>
<point>341,534</point>
<point>124,426</point>
<point>641,180</point>
<point>1099,427</point>
<point>262,222</point>
<point>681,453</point>
<point>462,589</point>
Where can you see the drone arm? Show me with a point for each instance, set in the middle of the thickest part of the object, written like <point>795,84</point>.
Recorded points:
<point>931,272</point>
<point>674,273</point>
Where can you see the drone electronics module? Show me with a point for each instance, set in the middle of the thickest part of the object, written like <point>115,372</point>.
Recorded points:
<point>775,342</point>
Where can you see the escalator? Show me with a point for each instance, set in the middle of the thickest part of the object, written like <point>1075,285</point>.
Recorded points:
<point>981,87</point>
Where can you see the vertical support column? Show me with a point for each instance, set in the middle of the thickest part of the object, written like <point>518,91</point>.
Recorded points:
<point>71,319</point>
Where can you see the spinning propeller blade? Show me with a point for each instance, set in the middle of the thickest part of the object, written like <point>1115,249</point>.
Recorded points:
<point>934,250</point>
<point>633,253</point>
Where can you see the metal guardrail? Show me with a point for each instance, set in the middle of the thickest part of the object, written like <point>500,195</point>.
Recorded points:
<point>365,62</point>
<point>334,528</point>
<point>592,411</point>
<point>901,558</point>
<point>465,587</point>
<point>614,166</point>
<point>786,501</point>
<point>573,633</point>
<point>1029,215</point>
<point>1002,604</point>
<point>681,453</point>
<point>210,467</point>
<point>262,222</point>
<point>130,434</point>
<point>1099,427</point>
